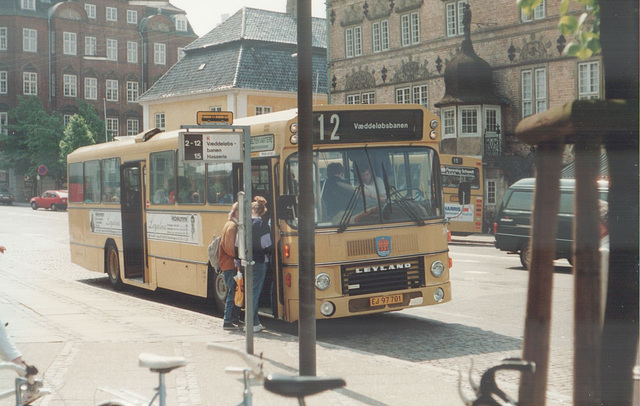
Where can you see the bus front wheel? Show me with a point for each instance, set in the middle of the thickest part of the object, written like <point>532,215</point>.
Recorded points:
<point>113,266</point>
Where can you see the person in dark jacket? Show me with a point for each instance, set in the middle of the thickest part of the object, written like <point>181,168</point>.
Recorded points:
<point>336,192</point>
<point>261,242</point>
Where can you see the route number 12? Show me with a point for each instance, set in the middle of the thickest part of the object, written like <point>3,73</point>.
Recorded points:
<point>334,119</point>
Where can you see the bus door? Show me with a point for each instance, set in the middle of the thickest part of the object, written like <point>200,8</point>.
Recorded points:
<point>133,222</point>
<point>262,185</point>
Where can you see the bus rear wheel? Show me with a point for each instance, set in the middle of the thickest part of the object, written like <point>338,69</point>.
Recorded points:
<point>112,266</point>
<point>219,290</point>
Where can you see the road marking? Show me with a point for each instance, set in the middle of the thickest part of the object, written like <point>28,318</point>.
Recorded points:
<point>471,261</point>
<point>476,272</point>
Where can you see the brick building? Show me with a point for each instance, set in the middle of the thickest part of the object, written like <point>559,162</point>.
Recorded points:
<point>104,52</point>
<point>414,51</point>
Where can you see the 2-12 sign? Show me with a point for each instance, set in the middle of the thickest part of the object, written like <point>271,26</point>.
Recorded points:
<point>192,147</point>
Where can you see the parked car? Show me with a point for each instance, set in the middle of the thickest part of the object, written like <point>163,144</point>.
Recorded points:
<point>513,226</point>
<point>51,199</point>
<point>6,197</point>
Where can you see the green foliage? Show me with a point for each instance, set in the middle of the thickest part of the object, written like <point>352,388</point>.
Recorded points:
<point>585,37</point>
<point>92,119</point>
<point>76,135</point>
<point>33,139</point>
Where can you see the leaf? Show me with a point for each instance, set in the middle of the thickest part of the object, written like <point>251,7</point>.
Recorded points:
<point>568,25</point>
<point>528,5</point>
<point>584,53</point>
<point>594,45</point>
<point>564,7</point>
<point>572,48</point>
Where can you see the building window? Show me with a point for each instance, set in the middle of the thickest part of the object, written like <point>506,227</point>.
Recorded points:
<point>353,42</point>
<point>454,15</point>
<point>492,120</point>
<point>160,121</point>
<point>112,49</point>
<point>4,84</point>
<point>70,85</point>
<point>132,17</point>
<point>112,14</point>
<point>66,118</point>
<point>70,45</point>
<point>491,192</point>
<point>112,128</point>
<point>449,122</point>
<point>421,95</point>
<point>132,92</point>
<point>410,29</point>
<point>29,40</point>
<point>403,95</point>
<point>4,120</point>
<point>159,54</point>
<point>28,4</point>
<point>91,11</point>
<point>534,91</point>
<point>91,88</point>
<point>30,83</point>
<point>90,46</point>
<point>363,98</point>
<point>112,90</point>
<point>469,121</point>
<point>181,23</point>
<point>589,80</point>
<point>3,38</point>
<point>181,53</point>
<point>538,13</point>
<point>262,110</point>
<point>133,127</point>
<point>380,32</point>
<point>132,52</point>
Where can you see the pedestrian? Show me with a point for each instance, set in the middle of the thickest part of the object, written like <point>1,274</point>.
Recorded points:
<point>8,350</point>
<point>2,249</point>
<point>227,260</point>
<point>336,191</point>
<point>261,249</point>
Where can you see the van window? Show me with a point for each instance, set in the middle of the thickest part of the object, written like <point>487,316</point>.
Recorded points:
<point>566,203</point>
<point>520,200</point>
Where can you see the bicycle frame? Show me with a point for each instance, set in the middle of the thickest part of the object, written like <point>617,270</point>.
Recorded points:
<point>27,387</point>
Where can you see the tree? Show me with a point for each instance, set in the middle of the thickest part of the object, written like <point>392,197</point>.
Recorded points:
<point>76,135</point>
<point>33,139</point>
<point>92,120</point>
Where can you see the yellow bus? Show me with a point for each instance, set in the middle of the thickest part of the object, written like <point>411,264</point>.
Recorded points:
<point>144,216</point>
<point>457,170</point>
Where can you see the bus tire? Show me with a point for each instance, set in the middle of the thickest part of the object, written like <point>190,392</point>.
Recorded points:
<point>525,257</point>
<point>217,288</point>
<point>112,266</point>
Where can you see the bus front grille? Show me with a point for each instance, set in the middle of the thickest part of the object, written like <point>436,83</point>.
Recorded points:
<point>366,247</point>
<point>383,276</point>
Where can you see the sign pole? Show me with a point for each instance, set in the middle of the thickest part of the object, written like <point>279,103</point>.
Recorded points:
<point>306,247</point>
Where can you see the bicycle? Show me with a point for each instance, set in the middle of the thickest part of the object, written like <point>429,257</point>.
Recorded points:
<point>288,386</point>
<point>28,388</point>
<point>488,393</point>
<point>156,363</point>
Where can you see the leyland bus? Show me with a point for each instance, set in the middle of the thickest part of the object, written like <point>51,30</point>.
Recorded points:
<point>460,170</point>
<point>142,214</point>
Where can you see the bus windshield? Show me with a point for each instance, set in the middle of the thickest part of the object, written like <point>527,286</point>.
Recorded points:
<point>370,185</point>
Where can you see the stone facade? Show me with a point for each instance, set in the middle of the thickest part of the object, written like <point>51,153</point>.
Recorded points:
<point>397,51</point>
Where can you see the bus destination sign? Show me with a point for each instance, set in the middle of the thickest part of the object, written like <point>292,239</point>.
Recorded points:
<point>356,126</point>
<point>211,147</point>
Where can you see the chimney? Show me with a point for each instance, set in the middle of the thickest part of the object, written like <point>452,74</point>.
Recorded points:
<point>292,8</point>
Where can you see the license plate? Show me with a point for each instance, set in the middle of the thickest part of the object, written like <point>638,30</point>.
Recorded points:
<point>385,300</point>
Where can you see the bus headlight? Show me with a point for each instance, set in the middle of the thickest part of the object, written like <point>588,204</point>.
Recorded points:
<point>433,135</point>
<point>438,295</point>
<point>327,309</point>
<point>323,281</point>
<point>293,139</point>
<point>434,124</point>
<point>437,269</point>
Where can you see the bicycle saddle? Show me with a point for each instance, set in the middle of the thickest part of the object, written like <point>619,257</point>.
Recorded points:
<point>300,386</point>
<point>161,363</point>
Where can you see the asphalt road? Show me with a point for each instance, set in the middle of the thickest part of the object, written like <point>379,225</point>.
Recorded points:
<point>484,321</point>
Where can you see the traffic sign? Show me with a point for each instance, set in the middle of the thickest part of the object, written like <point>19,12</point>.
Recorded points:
<point>42,170</point>
<point>214,117</point>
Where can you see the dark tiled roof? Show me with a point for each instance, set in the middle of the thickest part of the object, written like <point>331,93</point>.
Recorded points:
<point>260,25</point>
<point>262,62</point>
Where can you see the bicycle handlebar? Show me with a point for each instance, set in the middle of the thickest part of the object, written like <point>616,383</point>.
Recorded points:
<point>18,369</point>
<point>254,367</point>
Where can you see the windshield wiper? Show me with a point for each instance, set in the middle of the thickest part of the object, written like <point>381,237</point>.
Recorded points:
<point>348,213</point>
<point>404,204</point>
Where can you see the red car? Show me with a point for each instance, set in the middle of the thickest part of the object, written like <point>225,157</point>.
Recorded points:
<point>51,199</point>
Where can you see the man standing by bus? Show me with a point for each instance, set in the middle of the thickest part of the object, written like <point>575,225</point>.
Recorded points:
<point>226,260</point>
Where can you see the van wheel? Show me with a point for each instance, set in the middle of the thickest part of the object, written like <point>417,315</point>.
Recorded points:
<point>525,257</point>
<point>112,266</point>
<point>54,207</point>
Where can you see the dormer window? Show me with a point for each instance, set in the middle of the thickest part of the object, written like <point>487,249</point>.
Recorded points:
<point>28,4</point>
<point>181,23</point>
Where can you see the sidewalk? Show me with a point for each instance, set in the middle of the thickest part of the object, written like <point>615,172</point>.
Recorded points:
<point>82,338</point>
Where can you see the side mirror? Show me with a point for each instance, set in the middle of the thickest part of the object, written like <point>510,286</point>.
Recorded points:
<point>464,193</point>
<point>287,207</point>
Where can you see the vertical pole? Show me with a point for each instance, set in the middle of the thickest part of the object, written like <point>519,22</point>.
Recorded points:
<point>306,236</point>
<point>106,129</point>
<point>537,329</point>
<point>248,241</point>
